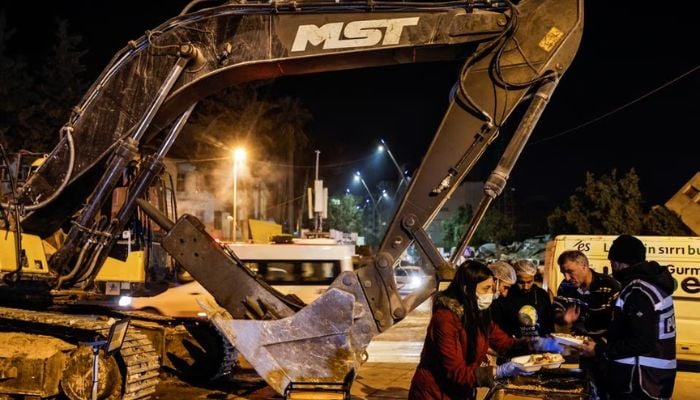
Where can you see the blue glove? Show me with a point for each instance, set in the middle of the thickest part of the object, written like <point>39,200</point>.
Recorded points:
<point>546,344</point>
<point>510,369</point>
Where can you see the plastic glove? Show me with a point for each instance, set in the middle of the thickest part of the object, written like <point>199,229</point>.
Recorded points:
<point>546,344</point>
<point>510,369</point>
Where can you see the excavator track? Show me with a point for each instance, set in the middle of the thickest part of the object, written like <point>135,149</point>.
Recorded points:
<point>229,355</point>
<point>140,360</point>
<point>229,358</point>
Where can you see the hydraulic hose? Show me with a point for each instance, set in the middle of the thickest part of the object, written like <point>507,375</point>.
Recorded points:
<point>15,275</point>
<point>66,178</point>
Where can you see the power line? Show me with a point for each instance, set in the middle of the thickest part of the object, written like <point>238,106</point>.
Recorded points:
<point>555,136</point>
<point>338,164</point>
<point>622,107</point>
<point>268,208</point>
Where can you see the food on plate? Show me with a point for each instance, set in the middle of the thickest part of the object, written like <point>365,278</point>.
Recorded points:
<point>569,340</point>
<point>544,359</point>
<point>569,336</point>
<point>534,362</point>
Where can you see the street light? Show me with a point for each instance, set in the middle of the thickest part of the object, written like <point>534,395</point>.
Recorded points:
<point>403,175</point>
<point>358,177</point>
<point>238,155</point>
<point>382,196</point>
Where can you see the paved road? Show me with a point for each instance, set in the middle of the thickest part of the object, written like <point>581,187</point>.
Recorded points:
<point>393,356</point>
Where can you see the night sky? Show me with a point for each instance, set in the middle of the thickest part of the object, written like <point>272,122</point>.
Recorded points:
<point>629,58</point>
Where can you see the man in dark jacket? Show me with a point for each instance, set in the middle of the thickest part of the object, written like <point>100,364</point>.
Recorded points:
<point>586,298</point>
<point>585,302</point>
<point>640,352</point>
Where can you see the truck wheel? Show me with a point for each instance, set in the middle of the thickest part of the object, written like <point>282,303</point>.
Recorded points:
<point>77,377</point>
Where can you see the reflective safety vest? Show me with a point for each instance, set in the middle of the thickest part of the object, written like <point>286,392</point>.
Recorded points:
<point>656,370</point>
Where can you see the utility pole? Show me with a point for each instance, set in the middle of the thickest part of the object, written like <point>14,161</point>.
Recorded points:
<point>318,200</point>
<point>375,224</point>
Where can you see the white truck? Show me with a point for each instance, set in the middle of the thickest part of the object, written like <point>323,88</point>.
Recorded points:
<point>302,270</point>
<point>681,254</point>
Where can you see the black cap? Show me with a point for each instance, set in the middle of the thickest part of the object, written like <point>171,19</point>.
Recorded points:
<point>627,249</point>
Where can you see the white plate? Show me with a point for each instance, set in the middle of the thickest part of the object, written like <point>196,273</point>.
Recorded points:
<point>568,340</point>
<point>526,362</point>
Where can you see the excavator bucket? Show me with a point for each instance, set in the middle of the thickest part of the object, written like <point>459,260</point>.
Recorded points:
<point>316,345</point>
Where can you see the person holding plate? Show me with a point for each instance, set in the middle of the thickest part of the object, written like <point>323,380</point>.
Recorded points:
<point>458,337</point>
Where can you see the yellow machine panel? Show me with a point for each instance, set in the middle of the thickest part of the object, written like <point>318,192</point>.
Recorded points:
<point>33,248</point>
<point>131,270</point>
<point>263,231</point>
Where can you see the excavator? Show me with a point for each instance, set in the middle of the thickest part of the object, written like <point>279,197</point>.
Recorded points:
<point>61,269</point>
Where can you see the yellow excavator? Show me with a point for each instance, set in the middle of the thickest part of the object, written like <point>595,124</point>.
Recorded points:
<point>82,231</point>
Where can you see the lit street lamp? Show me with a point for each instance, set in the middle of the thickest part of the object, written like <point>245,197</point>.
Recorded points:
<point>358,177</point>
<point>238,157</point>
<point>375,203</point>
<point>382,196</point>
<point>403,175</point>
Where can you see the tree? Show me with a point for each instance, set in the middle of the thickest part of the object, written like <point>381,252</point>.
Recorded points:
<point>344,214</point>
<point>231,117</point>
<point>35,104</point>
<point>663,222</point>
<point>60,86</point>
<point>272,131</point>
<point>611,205</point>
<point>15,84</point>
<point>290,116</point>
<point>454,227</point>
<point>495,227</point>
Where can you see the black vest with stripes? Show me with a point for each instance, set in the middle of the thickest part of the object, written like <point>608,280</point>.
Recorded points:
<point>655,370</point>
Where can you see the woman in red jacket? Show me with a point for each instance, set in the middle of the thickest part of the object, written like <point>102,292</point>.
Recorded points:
<point>459,334</point>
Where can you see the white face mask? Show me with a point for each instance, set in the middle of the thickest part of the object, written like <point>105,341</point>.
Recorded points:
<point>483,301</point>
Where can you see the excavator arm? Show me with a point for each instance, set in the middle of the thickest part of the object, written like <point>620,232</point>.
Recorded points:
<point>513,54</point>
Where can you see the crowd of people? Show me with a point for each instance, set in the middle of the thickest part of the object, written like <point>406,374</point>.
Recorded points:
<point>627,319</point>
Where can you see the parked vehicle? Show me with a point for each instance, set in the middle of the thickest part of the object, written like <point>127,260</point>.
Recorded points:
<point>409,278</point>
<point>301,270</point>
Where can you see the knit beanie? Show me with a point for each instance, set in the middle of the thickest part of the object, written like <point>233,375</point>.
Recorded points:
<point>627,249</point>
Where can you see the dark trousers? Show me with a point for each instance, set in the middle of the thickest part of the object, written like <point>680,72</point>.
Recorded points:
<point>595,374</point>
<point>637,392</point>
